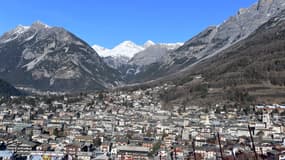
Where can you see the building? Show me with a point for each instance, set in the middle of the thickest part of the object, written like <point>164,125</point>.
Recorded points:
<point>22,146</point>
<point>6,155</point>
<point>132,153</point>
<point>72,149</point>
<point>39,155</point>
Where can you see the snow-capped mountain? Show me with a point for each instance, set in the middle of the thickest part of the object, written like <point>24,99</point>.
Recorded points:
<point>125,49</point>
<point>51,58</point>
<point>129,49</point>
<point>119,56</point>
<point>148,43</point>
<point>103,52</point>
<point>123,56</point>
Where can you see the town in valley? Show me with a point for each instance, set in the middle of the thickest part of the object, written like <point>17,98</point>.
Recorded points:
<point>135,125</point>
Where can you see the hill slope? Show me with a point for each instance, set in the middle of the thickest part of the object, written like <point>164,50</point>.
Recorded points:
<point>251,71</point>
<point>8,90</point>
<point>213,40</point>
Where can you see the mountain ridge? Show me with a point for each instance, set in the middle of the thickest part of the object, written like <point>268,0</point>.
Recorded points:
<point>249,72</point>
<point>52,58</point>
<point>129,49</point>
<point>212,40</point>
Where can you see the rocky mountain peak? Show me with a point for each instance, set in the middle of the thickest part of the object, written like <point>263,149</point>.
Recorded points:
<point>52,58</point>
<point>148,44</point>
<point>21,28</point>
<point>270,5</point>
<point>127,49</point>
<point>264,3</point>
<point>39,25</point>
<point>242,11</point>
<point>127,43</point>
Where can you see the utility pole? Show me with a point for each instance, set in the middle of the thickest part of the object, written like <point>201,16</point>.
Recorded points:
<point>252,141</point>
<point>175,153</point>
<point>217,154</point>
<point>220,146</point>
<point>171,155</point>
<point>233,154</point>
<point>262,153</point>
<point>112,139</point>
<point>193,146</point>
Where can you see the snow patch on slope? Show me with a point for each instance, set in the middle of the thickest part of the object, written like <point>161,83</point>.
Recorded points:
<point>14,34</point>
<point>125,49</point>
<point>129,49</point>
<point>34,62</point>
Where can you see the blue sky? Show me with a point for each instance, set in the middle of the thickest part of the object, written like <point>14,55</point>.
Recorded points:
<point>109,22</point>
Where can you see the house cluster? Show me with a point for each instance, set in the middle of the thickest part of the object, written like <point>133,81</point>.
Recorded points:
<point>134,125</point>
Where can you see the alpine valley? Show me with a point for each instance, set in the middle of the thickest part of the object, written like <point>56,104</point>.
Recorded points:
<point>220,95</point>
<point>48,58</point>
